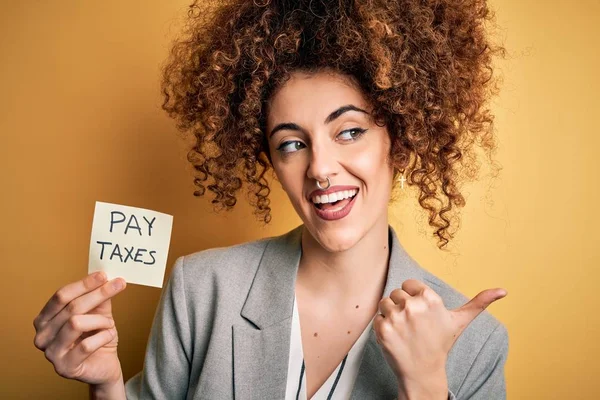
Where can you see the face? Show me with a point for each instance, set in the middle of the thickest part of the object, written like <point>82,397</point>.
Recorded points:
<point>319,126</point>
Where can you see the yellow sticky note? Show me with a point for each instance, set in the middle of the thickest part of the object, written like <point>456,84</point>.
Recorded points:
<point>131,243</point>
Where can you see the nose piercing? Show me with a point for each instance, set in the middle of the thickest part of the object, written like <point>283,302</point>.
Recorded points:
<point>328,184</point>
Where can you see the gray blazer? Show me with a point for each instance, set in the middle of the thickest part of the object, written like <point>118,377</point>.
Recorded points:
<point>222,329</point>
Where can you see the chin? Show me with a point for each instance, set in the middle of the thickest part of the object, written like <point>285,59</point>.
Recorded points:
<point>337,240</point>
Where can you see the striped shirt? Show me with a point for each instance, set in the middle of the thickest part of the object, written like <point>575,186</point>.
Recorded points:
<point>339,384</point>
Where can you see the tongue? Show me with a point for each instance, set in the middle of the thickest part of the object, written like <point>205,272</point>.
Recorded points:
<point>339,204</point>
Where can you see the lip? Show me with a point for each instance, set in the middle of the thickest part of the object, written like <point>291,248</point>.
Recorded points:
<point>332,189</point>
<point>335,215</point>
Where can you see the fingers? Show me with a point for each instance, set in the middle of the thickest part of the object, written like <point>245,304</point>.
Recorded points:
<point>467,313</point>
<point>89,345</point>
<point>387,307</point>
<point>66,294</point>
<point>400,297</point>
<point>76,326</point>
<point>80,305</point>
<point>413,287</point>
<point>58,351</point>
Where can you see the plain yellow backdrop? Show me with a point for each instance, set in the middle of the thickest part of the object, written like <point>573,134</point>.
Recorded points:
<point>80,121</point>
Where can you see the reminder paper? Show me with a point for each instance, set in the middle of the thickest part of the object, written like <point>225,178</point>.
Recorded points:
<point>131,243</point>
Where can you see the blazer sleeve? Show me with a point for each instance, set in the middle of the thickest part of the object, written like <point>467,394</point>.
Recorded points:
<point>166,370</point>
<point>485,379</point>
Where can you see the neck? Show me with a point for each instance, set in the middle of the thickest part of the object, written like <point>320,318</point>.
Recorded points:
<point>354,274</point>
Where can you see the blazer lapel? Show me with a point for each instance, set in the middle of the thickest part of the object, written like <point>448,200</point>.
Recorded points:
<point>375,379</point>
<point>261,354</point>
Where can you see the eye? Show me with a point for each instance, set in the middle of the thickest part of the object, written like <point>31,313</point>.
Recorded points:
<point>287,144</point>
<point>358,133</point>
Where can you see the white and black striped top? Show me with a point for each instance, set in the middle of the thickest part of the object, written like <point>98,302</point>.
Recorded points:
<point>339,384</point>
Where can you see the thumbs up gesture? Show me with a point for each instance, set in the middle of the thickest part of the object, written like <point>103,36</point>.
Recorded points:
<point>416,332</point>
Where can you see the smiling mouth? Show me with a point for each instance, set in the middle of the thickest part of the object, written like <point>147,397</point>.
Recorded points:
<point>336,204</point>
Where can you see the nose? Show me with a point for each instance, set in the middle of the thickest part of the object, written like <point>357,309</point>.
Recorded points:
<point>322,164</point>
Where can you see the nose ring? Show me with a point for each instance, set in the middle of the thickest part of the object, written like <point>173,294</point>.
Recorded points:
<point>328,184</point>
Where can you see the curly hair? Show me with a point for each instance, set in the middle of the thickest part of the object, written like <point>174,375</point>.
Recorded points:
<point>425,66</point>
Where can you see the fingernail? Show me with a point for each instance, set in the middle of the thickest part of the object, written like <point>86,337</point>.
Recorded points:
<point>100,276</point>
<point>118,284</point>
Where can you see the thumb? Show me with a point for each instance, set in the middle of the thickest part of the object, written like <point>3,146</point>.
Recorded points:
<point>467,313</point>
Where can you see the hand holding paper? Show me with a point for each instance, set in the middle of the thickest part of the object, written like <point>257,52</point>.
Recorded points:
<point>130,242</point>
<point>75,329</point>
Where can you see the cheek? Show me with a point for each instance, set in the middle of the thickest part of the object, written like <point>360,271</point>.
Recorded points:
<point>290,177</point>
<point>370,162</point>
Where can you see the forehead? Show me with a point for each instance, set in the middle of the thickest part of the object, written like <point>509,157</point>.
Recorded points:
<point>313,96</point>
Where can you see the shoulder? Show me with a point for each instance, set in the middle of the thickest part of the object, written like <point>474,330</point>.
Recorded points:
<point>226,258</point>
<point>226,262</point>
<point>207,276</point>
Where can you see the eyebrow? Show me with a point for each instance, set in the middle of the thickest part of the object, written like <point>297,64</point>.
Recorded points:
<point>331,117</point>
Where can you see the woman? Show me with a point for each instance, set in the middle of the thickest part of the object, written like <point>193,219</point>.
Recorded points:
<point>340,98</point>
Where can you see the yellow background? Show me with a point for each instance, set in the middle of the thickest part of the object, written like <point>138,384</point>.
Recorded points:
<point>80,121</point>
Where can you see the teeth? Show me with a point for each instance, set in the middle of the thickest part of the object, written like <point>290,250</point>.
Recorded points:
<point>333,197</point>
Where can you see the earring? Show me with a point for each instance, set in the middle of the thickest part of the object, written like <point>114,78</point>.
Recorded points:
<point>402,179</point>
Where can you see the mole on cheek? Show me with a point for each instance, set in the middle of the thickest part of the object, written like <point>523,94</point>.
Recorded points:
<point>357,306</point>
<point>316,334</point>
